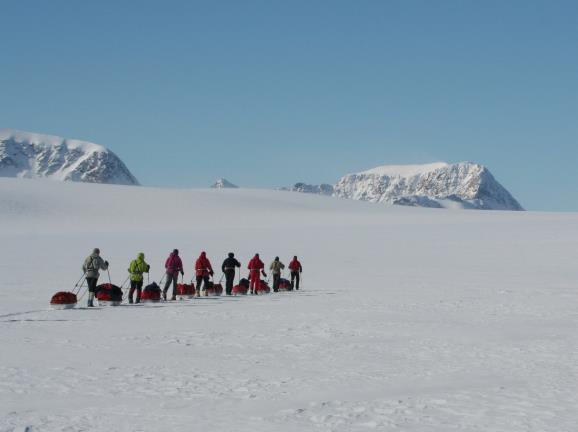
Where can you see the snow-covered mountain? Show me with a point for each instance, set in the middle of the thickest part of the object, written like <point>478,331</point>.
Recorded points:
<point>223,183</point>
<point>463,185</point>
<point>31,155</point>
<point>322,189</point>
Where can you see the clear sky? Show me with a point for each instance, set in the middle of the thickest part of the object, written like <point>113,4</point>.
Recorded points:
<point>268,93</point>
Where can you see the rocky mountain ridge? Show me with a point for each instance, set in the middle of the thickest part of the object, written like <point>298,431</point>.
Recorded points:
<point>30,155</point>
<point>464,185</point>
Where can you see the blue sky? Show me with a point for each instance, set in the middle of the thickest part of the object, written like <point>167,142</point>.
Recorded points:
<point>268,93</point>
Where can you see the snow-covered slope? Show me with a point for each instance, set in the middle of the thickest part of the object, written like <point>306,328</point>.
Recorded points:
<point>463,185</point>
<point>410,319</point>
<point>223,183</point>
<point>405,170</point>
<point>30,155</point>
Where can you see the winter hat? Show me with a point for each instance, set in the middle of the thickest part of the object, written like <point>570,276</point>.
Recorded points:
<point>176,251</point>
<point>276,258</point>
<point>231,254</point>
<point>96,251</point>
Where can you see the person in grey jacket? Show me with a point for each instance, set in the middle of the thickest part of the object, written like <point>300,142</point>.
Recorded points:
<point>92,264</point>
<point>276,267</point>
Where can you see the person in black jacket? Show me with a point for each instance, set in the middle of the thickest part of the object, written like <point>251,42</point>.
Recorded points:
<point>229,267</point>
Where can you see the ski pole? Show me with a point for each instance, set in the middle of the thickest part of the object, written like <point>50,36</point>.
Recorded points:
<point>81,278</point>
<point>125,292</point>
<point>108,271</point>
<point>80,297</point>
<point>77,286</point>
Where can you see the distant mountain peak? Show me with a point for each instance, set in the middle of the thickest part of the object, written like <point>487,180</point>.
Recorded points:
<point>33,155</point>
<point>460,185</point>
<point>322,189</point>
<point>464,185</point>
<point>223,183</point>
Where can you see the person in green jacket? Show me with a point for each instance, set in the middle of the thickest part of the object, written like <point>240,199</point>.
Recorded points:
<point>136,269</point>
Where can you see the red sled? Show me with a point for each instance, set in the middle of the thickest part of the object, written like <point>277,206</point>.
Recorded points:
<point>285,285</point>
<point>239,290</point>
<point>151,294</point>
<point>213,290</point>
<point>263,288</point>
<point>185,291</point>
<point>63,300</point>
<point>108,295</point>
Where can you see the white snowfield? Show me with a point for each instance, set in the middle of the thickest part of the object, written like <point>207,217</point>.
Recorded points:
<point>409,319</point>
<point>405,170</point>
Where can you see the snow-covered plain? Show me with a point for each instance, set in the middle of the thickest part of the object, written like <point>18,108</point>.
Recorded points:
<point>410,319</point>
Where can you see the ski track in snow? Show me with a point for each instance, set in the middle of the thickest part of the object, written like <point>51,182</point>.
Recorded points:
<point>409,320</point>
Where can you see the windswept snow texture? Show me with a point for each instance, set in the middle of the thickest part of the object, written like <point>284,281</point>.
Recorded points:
<point>410,319</point>
<point>29,155</point>
<point>223,183</point>
<point>466,185</point>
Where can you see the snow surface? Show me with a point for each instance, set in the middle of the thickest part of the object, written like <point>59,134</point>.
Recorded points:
<point>50,140</point>
<point>410,319</point>
<point>405,170</point>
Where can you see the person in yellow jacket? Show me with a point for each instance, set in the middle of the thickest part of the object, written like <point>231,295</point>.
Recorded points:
<point>136,269</point>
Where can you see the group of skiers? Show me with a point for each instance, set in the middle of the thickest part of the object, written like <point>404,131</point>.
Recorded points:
<point>203,272</point>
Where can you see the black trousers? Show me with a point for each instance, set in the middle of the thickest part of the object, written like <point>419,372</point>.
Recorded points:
<point>91,282</point>
<point>295,276</point>
<point>171,277</point>
<point>204,280</point>
<point>229,281</point>
<point>135,285</point>
<point>276,279</point>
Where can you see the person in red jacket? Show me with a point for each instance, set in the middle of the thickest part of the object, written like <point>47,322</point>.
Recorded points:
<point>296,270</point>
<point>173,266</point>
<point>203,270</point>
<point>256,268</point>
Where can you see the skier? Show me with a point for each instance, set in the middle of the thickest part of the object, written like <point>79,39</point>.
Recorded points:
<point>255,267</point>
<point>136,269</point>
<point>296,270</point>
<point>276,267</point>
<point>173,266</point>
<point>92,264</point>
<point>203,270</point>
<point>228,268</point>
